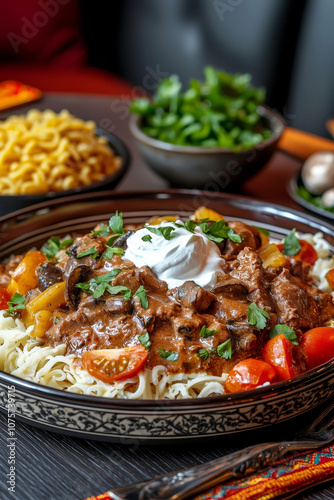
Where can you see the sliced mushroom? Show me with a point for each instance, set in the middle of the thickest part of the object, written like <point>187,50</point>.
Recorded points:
<point>48,275</point>
<point>121,242</point>
<point>229,287</point>
<point>194,296</point>
<point>72,294</point>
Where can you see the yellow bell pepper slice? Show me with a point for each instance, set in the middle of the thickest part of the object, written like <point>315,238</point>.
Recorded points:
<point>24,277</point>
<point>49,300</point>
<point>206,213</point>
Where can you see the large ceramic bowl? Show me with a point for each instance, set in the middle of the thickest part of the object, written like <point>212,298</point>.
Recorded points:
<point>217,169</point>
<point>157,421</point>
<point>10,203</point>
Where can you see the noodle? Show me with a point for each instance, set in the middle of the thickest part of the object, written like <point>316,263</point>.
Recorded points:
<point>44,151</point>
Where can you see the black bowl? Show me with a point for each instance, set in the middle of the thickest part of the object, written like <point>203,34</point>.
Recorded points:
<point>11,203</point>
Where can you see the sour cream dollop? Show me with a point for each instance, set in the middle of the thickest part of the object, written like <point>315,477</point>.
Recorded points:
<point>185,256</point>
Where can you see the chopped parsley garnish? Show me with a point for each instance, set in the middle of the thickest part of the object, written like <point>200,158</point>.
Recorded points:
<point>164,231</point>
<point>104,231</point>
<point>168,355</point>
<point>205,332</point>
<point>262,230</point>
<point>147,237</point>
<point>99,284</point>
<point>54,245</point>
<point>224,350</point>
<point>91,251</point>
<point>116,223</point>
<point>124,290</point>
<point>141,293</point>
<point>115,226</point>
<point>291,244</point>
<point>16,304</point>
<point>256,316</point>
<point>219,231</point>
<point>204,354</point>
<point>288,333</point>
<point>144,339</point>
<point>111,251</point>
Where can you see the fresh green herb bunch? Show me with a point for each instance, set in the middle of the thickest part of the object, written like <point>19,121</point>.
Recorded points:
<point>222,112</point>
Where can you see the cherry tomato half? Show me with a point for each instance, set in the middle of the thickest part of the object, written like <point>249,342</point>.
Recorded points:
<point>330,278</point>
<point>110,365</point>
<point>318,345</point>
<point>307,253</point>
<point>4,299</point>
<point>249,374</point>
<point>279,352</point>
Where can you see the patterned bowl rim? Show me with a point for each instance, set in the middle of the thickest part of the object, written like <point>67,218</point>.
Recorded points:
<point>277,389</point>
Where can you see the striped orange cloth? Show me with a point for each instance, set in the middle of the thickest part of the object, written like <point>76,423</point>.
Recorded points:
<point>288,476</point>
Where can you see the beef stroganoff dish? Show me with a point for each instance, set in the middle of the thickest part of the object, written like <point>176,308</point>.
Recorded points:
<point>167,310</point>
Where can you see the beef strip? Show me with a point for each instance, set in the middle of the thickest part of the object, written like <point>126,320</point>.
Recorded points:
<point>294,306</point>
<point>249,238</point>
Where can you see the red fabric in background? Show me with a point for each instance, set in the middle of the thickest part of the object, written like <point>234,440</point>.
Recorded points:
<point>41,32</point>
<point>82,80</point>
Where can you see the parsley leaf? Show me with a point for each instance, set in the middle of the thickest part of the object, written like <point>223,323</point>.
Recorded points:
<point>204,354</point>
<point>164,231</point>
<point>54,245</point>
<point>291,245</point>
<point>147,237</point>
<point>16,303</point>
<point>218,231</point>
<point>124,290</point>
<point>91,251</point>
<point>98,285</point>
<point>168,355</point>
<point>144,339</point>
<point>257,316</point>
<point>116,223</point>
<point>141,293</point>
<point>111,251</point>
<point>288,333</point>
<point>224,350</point>
<point>205,332</point>
<point>104,231</point>
<point>262,230</point>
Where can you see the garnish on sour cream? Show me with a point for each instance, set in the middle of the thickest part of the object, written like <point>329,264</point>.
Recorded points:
<point>182,257</point>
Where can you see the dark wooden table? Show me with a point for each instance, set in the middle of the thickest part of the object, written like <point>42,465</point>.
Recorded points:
<point>57,467</point>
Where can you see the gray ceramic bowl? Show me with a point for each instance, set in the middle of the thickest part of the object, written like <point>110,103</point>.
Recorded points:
<point>214,169</point>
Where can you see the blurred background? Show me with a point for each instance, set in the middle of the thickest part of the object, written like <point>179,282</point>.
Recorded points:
<point>126,47</point>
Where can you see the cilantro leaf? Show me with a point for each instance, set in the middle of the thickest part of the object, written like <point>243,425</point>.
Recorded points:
<point>190,225</point>
<point>288,333</point>
<point>205,332</point>
<point>147,237</point>
<point>141,293</point>
<point>291,245</point>
<point>224,350</point>
<point>257,316</point>
<point>262,230</point>
<point>116,223</point>
<point>91,251</point>
<point>168,355</point>
<point>54,245</point>
<point>111,251</point>
<point>144,339</point>
<point>164,231</point>
<point>16,303</point>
